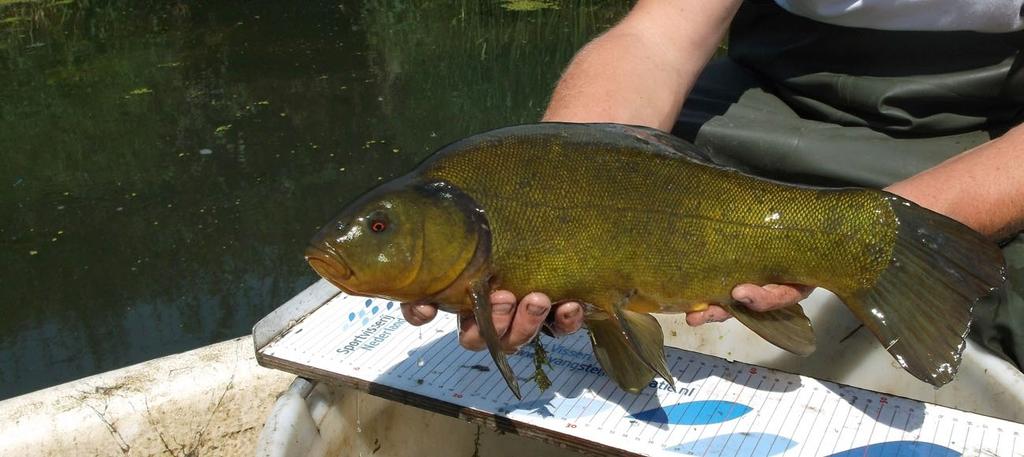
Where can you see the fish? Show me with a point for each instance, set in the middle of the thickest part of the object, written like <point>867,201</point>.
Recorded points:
<point>631,221</point>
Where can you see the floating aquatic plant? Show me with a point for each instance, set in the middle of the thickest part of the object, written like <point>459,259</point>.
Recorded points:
<point>528,5</point>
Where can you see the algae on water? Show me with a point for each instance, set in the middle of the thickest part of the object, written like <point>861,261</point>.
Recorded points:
<point>528,5</point>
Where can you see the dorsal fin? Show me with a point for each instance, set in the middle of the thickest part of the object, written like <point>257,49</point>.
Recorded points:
<point>664,140</point>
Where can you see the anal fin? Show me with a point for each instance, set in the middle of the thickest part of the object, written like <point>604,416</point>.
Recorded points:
<point>788,328</point>
<point>616,355</point>
<point>643,333</point>
<point>629,344</point>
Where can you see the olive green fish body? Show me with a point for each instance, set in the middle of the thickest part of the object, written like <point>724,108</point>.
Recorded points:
<point>631,220</point>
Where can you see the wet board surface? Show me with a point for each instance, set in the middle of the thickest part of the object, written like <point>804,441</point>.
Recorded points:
<point>717,407</point>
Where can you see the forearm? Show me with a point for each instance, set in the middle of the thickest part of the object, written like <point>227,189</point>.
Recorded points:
<point>982,188</point>
<point>641,70</point>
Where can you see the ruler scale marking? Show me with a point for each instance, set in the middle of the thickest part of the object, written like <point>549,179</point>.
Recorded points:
<point>406,340</point>
<point>949,436</point>
<point>413,359</point>
<point>682,375</point>
<point>505,395</point>
<point>967,435</point>
<point>753,394</point>
<point>452,359</point>
<point>902,432</point>
<point>575,387</point>
<point>874,424</point>
<point>672,408</point>
<point>775,410</point>
<point>789,410</point>
<point>803,412</point>
<point>598,394</point>
<point>463,383</point>
<point>750,429</point>
<point>311,328</point>
<point>696,373</point>
<point>984,429</point>
<point>652,426</point>
<point>725,394</point>
<point>828,425</point>
<point>708,392</point>
<point>859,414</point>
<point>846,418</point>
<point>718,430</point>
<point>935,438</point>
<point>423,361</point>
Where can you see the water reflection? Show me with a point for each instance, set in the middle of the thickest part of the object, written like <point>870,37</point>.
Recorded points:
<point>164,163</point>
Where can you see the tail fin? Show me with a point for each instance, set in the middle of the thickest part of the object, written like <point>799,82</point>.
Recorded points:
<point>920,306</point>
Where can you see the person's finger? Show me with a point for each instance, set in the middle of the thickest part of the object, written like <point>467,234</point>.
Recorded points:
<point>418,314</point>
<point>714,313</point>
<point>566,318</point>
<point>503,303</point>
<point>770,296</point>
<point>469,333</point>
<point>530,315</point>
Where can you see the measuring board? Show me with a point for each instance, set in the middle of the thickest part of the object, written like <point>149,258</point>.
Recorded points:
<point>716,408</point>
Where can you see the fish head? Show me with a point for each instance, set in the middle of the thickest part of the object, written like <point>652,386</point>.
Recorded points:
<point>406,242</point>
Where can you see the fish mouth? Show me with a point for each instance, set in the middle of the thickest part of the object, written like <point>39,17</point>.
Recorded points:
<point>329,264</point>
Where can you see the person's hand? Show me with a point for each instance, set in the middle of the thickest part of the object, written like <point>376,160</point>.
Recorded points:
<point>757,298</point>
<point>516,323</point>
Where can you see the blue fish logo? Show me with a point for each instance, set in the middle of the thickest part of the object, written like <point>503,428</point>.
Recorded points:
<point>362,317</point>
<point>702,412</point>
<point>745,444</point>
<point>900,449</point>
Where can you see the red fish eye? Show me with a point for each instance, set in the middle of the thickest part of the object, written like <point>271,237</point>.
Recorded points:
<point>378,226</point>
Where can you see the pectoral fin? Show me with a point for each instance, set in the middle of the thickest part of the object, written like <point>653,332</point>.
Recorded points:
<point>482,312</point>
<point>788,328</point>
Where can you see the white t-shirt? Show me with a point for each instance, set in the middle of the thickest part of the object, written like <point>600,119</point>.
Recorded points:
<point>918,15</point>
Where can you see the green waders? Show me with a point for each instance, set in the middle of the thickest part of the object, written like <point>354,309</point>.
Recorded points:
<point>807,102</point>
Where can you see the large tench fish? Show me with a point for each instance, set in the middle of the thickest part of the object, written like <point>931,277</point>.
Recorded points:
<point>631,221</point>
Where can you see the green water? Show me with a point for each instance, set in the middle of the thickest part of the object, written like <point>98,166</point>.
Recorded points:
<point>162,164</point>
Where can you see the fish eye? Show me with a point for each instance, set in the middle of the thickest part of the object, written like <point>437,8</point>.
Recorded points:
<point>377,222</point>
